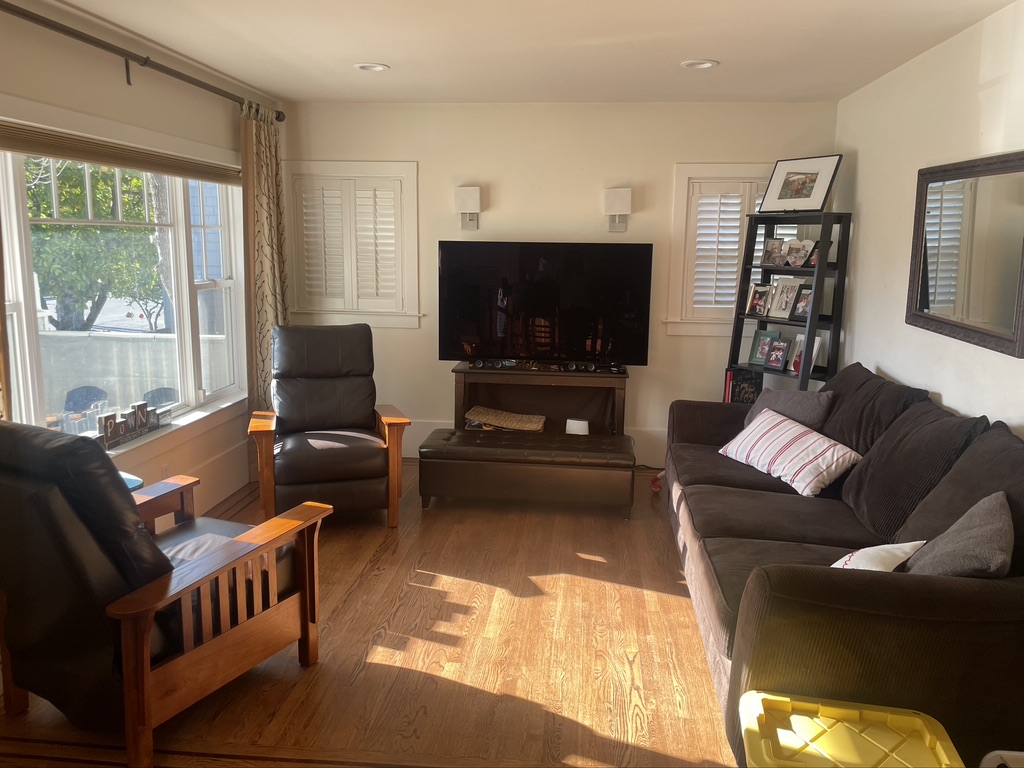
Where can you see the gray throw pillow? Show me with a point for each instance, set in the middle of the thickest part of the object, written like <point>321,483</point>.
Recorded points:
<point>808,408</point>
<point>979,544</point>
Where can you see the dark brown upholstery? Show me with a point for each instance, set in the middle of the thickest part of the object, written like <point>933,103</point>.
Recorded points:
<point>81,626</point>
<point>585,469</point>
<point>864,406</point>
<point>326,440</point>
<point>905,463</point>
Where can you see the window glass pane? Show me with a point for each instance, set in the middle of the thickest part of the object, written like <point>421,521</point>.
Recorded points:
<point>211,204</point>
<point>198,256</point>
<point>103,190</point>
<point>39,184</point>
<point>195,209</point>
<point>133,195</point>
<point>214,257</point>
<point>216,349</point>
<point>71,197</point>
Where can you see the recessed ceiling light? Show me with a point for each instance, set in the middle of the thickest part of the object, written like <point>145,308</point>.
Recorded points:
<point>699,63</point>
<point>372,67</point>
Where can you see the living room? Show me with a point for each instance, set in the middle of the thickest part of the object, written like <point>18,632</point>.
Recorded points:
<point>543,167</point>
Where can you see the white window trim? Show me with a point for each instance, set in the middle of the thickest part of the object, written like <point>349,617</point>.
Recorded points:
<point>408,248</point>
<point>681,320</point>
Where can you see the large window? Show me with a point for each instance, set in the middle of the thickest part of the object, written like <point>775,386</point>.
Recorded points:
<point>120,288</point>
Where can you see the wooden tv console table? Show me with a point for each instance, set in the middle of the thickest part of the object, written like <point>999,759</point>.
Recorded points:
<point>598,397</point>
<point>550,466</point>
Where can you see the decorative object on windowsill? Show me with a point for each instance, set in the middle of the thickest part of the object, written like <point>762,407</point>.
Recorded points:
<point>777,355</point>
<point>137,421</point>
<point>761,346</point>
<point>783,296</point>
<point>773,255</point>
<point>798,251</point>
<point>800,184</point>
<point>802,303</point>
<point>758,299</point>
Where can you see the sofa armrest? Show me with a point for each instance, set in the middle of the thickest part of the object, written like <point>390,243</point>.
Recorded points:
<point>705,422</point>
<point>948,647</point>
<point>171,496</point>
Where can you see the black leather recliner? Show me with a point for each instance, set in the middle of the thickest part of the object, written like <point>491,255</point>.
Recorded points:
<point>94,616</point>
<point>327,439</point>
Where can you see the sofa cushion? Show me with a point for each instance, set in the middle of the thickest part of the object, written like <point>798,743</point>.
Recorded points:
<point>715,512</point>
<point>809,408</point>
<point>705,465</point>
<point>978,545</point>
<point>865,405</point>
<point>786,449</point>
<point>718,570</point>
<point>884,557</point>
<point>906,463</point>
<point>993,462</point>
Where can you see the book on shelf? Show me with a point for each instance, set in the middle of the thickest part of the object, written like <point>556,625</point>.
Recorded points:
<point>742,385</point>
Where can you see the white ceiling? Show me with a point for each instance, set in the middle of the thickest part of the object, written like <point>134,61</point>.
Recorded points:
<point>539,50</point>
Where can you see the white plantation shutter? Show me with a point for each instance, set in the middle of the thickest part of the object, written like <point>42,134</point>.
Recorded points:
<point>718,219</point>
<point>944,233</point>
<point>377,218</point>
<point>321,212</point>
<point>355,251</point>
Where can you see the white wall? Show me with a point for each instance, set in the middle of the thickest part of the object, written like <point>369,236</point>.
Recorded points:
<point>50,80</point>
<point>543,169</point>
<point>962,99</point>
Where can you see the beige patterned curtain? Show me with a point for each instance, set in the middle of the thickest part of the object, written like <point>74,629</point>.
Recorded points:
<point>266,280</point>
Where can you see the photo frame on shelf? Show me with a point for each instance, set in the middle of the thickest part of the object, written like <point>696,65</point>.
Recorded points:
<point>758,299</point>
<point>778,353</point>
<point>761,346</point>
<point>798,251</point>
<point>772,255</point>
<point>799,357</point>
<point>783,296</point>
<point>802,303</point>
<point>800,184</point>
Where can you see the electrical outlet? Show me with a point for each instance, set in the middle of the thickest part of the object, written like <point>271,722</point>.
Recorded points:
<point>165,472</point>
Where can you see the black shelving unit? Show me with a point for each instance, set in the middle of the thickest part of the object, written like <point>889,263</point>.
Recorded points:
<point>832,228</point>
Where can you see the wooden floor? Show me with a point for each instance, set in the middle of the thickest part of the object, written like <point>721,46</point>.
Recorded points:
<point>477,633</point>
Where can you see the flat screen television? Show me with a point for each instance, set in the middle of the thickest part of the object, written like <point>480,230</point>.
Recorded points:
<point>584,303</point>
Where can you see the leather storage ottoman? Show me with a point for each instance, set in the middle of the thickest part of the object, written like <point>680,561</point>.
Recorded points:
<point>586,469</point>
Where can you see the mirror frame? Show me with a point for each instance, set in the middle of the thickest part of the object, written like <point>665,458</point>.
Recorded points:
<point>995,165</point>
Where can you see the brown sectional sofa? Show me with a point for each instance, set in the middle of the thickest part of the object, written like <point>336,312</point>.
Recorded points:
<point>775,617</point>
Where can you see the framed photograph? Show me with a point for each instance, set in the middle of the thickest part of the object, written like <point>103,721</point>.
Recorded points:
<point>800,184</point>
<point>773,256</point>
<point>813,259</point>
<point>761,345</point>
<point>801,304</point>
<point>799,357</point>
<point>783,296</point>
<point>757,300</point>
<point>798,251</point>
<point>778,353</point>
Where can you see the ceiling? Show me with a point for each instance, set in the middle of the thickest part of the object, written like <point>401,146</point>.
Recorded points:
<point>537,50</point>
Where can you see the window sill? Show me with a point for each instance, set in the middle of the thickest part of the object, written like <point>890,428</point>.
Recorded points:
<point>374,319</point>
<point>698,327</point>
<point>185,428</point>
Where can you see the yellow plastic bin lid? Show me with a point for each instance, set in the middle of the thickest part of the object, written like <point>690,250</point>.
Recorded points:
<point>781,730</point>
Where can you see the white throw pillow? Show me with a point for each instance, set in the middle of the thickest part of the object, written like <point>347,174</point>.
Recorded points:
<point>788,450</point>
<point>884,557</point>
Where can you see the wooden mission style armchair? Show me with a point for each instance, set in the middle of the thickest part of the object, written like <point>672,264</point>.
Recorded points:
<point>117,626</point>
<point>327,439</point>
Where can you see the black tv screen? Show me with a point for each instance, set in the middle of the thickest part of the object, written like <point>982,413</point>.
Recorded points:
<point>545,302</point>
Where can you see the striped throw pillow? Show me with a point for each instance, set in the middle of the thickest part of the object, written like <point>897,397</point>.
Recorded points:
<point>788,450</point>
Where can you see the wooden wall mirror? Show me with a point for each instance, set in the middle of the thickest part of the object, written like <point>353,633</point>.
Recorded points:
<point>966,276</point>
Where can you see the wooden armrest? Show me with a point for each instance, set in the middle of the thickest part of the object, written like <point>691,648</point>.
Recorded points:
<point>389,414</point>
<point>170,496</point>
<point>391,424</point>
<point>184,579</point>
<point>262,422</point>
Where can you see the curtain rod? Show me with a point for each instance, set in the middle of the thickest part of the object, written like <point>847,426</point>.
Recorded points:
<point>128,56</point>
